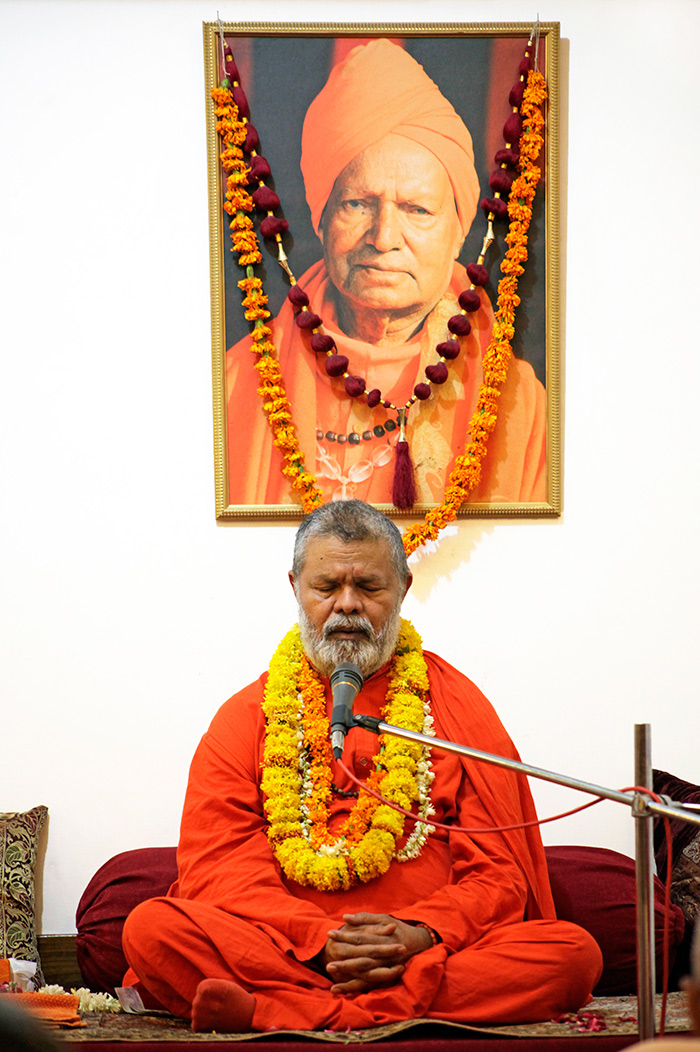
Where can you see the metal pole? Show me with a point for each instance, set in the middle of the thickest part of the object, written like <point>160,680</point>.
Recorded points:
<point>638,801</point>
<point>643,810</point>
<point>644,858</point>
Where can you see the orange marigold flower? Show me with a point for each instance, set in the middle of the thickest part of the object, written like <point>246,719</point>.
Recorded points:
<point>241,221</point>
<point>261,332</point>
<point>265,348</point>
<point>511,267</point>
<point>250,283</point>
<point>224,125</point>
<point>221,96</point>
<point>238,177</point>
<point>268,367</point>
<point>536,88</point>
<point>231,155</point>
<point>244,240</point>
<point>254,298</point>
<point>240,198</point>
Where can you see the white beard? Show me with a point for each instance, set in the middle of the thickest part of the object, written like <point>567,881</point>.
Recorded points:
<point>369,652</point>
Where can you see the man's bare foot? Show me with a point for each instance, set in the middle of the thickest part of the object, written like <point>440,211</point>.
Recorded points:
<point>222,1005</point>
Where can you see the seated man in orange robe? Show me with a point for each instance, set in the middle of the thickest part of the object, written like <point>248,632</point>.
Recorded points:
<point>389,176</point>
<point>301,904</point>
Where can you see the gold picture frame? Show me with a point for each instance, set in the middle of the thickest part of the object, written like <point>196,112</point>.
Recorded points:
<point>287,64</point>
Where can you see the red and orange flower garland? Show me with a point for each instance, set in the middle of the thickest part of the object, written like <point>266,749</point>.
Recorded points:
<point>238,204</point>
<point>467,470</point>
<point>235,134</point>
<point>296,778</point>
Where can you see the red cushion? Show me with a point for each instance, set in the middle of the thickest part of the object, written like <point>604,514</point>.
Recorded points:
<point>595,888</point>
<point>113,892</point>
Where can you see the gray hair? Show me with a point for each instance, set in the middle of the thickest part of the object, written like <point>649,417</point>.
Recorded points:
<point>351,520</point>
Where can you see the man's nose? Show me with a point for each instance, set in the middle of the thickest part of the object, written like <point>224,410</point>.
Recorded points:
<point>385,232</point>
<point>348,600</point>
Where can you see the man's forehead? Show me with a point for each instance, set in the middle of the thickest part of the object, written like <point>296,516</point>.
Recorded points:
<point>331,554</point>
<point>412,168</point>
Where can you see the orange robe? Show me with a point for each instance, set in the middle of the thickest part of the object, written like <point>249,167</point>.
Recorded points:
<point>514,469</point>
<point>232,913</point>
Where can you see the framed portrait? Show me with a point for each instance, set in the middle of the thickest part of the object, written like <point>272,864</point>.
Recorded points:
<point>359,254</point>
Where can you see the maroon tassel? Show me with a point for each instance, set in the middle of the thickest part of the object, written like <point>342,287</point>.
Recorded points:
<point>404,491</point>
<point>271,226</point>
<point>259,167</point>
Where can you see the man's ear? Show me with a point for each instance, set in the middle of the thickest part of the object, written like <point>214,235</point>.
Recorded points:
<point>292,582</point>
<point>409,582</point>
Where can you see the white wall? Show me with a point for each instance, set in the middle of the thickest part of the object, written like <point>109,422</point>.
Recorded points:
<point>129,615</point>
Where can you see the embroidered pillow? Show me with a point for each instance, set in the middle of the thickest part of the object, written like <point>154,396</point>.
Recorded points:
<point>19,837</point>
<point>685,855</point>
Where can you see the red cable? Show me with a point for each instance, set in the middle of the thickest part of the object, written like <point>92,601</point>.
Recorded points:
<point>451,828</point>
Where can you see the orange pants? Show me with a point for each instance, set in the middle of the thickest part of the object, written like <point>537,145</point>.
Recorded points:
<point>517,973</point>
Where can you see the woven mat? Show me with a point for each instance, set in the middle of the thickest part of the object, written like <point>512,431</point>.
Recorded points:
<point>608,1016</point>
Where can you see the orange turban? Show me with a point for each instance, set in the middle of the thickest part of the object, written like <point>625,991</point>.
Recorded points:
<point>379,90</point>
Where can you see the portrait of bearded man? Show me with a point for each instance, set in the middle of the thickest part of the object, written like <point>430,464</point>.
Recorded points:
<point>390,181</point>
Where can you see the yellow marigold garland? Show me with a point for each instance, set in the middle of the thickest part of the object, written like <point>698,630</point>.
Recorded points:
<point>296,779</point>
<point>466,473</point>
<point>238,202</point>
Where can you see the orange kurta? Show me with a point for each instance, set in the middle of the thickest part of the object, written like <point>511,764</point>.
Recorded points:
<point>514,469</point>
<point>232,914</point>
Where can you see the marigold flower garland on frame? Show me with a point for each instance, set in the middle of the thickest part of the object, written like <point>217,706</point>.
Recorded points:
<point>467,470</point>
<point>235,134</point>
<point>239,137</point>
<point>296,777</point>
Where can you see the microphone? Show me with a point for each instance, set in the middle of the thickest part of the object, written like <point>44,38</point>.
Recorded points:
<point>346,682</point>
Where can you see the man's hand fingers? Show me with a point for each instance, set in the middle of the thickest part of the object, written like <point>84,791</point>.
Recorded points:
<point>369,980</point>
<point>357,936</point>
<point>359,958</point>
<point>364,920</point>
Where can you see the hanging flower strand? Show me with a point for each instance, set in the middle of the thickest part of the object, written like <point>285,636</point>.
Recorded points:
<point>237,134</point>
<point>466,473</point>
<point>524,128</point>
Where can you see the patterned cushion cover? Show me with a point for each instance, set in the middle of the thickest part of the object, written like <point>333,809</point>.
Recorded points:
<point>19,837</point>
<point>685,856</point>
<point>685,845</point>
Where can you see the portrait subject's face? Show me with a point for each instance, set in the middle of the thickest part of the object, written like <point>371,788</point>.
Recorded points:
<point>390,229</point>
<point>349,598</point>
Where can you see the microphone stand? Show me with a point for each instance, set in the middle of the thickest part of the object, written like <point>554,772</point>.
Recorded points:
<point>643,810</point>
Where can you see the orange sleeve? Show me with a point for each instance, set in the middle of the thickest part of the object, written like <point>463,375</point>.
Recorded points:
<point>224,858</point>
